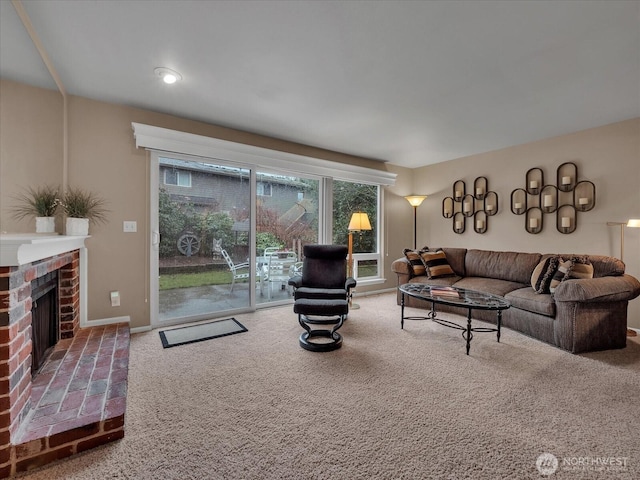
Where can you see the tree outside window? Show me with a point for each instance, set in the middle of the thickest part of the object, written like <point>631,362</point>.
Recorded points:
<point>349,197</point>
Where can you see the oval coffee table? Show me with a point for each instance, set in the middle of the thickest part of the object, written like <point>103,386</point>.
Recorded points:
<point>456,297</point>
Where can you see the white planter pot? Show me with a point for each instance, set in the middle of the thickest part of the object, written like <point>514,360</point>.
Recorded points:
<point>45,224</point>
<point>77,226</point>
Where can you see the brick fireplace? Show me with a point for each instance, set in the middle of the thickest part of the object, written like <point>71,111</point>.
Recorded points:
<point>78,398</point>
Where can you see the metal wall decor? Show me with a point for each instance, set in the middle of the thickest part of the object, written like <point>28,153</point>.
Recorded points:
<point>477,205</point>
<point>566,198</point>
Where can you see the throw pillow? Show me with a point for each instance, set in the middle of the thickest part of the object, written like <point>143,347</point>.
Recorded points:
<point>415,262</point>
<point>543,274</point>
<point>436,264</point>
<point>562,273</point>
<point>582,268</point>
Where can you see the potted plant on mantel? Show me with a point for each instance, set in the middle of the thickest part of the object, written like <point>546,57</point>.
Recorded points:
<point>82,207</point>
<point>41,203</point>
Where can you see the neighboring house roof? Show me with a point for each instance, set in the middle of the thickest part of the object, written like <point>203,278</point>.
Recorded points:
<point>230,171</point>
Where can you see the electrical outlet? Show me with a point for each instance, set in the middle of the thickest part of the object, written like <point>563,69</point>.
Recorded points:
<point>130,226</point>
<point>115,299</point>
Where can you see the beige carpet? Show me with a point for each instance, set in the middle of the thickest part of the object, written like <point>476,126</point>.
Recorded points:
<point>390,404</point>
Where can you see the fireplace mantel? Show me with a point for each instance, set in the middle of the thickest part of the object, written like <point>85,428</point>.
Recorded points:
<point>22,248</point>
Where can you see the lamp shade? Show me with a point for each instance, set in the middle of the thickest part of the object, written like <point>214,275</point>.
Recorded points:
<point>415,200</point>
<point>634,222</point>
<point>359,221</point>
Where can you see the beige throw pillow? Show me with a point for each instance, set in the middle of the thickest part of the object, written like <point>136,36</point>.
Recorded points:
<point>415,262</point>
<point>582,268</point>
<point>436,264</point>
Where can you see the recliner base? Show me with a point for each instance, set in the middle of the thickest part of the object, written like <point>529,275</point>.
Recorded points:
<point>307,344</point>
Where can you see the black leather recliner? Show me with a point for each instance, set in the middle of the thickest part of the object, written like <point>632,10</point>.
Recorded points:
<point>322,295</point>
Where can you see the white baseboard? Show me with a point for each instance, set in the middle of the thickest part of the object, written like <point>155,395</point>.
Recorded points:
<point>637,330</point>
<point>105,321</point>
<point>373,292</point>
<point>147,328</point>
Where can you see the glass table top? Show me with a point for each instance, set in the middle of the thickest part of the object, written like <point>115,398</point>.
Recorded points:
<point>461,297</point>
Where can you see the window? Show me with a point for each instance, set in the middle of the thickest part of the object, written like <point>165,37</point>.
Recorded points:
<point>333,179</point>
<point>181,178</point>
<point>263,189</point>
<point>348,198</point>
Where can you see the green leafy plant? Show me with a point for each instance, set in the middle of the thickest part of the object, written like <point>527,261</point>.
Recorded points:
<point>79,203</point>
<point>37,202</point>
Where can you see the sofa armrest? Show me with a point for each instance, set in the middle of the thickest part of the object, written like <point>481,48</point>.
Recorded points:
<point>401,266</point>
<point>602,289</point>
<point>403,271</point>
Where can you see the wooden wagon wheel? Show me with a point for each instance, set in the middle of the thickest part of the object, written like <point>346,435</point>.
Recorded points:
<point>188,244</point>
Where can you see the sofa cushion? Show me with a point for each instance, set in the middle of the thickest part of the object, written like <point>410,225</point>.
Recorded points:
<point>417,267</point>
<point>440,281</point>
<point>436,264</point>
<point>512,266</point>
<point>489,285</point>
<point>529,300</point>
<point>455,257</point>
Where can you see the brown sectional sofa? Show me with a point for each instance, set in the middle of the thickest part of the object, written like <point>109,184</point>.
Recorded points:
<point>582,315</point>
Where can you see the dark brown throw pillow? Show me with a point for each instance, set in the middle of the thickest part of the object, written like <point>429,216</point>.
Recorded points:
<point>415,262</point>
<point>543,274</point>
<point>562,273</point>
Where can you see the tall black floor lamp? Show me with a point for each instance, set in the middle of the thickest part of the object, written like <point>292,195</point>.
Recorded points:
<point>415,201</point>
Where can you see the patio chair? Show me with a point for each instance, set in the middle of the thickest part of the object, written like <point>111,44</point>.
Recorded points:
<point>268,251</point>
<point>278,268</point>
<point>322,295</point>
<point>240,271</point>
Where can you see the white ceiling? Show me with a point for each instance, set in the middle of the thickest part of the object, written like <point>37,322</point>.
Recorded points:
<point>409,82</point>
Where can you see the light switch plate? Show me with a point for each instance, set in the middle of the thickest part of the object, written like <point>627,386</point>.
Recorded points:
<point>115,299</point>
<point>129,226</point>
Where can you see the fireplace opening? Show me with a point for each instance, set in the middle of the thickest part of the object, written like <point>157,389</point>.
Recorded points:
<point>44,318</point>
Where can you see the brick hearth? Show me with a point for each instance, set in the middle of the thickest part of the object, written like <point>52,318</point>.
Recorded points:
<point>78,399</point>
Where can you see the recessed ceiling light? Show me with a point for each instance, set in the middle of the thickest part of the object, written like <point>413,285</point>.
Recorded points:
<point>167,75</point>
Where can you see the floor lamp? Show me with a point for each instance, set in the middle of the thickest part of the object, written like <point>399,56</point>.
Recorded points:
<point>634,223</point>
<point>415,201</point>
<point>359,222</point>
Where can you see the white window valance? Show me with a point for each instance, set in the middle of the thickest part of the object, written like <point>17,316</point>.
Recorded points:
<point>173,141</point>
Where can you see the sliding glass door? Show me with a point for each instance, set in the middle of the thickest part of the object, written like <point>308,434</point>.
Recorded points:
<point>287,218</point>
<point>201,235</point>
<point>226,238</point>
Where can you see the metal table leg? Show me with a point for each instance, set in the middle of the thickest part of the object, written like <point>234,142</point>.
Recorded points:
<point>469,334</point>
<point>402,312</point>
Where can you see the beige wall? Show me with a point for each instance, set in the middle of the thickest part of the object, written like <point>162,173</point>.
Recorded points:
<point>609,156</point>
<point>103,158</point>
<point>30,145</point>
